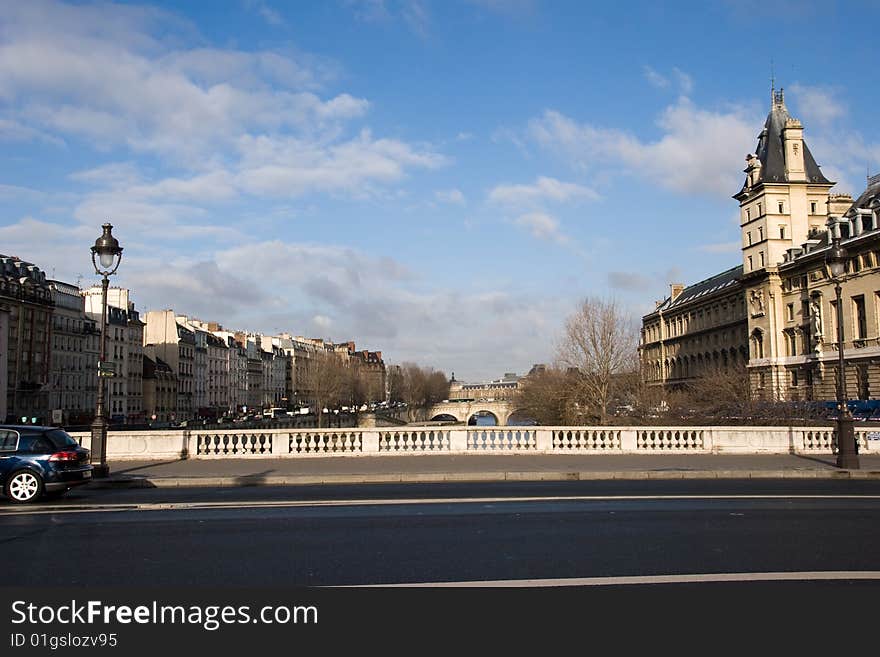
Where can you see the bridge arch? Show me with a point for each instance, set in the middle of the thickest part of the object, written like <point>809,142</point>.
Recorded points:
<point>472,417</point>
<point>445,417</point>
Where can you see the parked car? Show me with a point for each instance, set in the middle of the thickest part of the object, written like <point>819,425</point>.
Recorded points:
<point>37,461</point>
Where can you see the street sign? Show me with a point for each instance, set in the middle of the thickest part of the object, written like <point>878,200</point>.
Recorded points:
<point>57,416</point>
<point>106,368</point>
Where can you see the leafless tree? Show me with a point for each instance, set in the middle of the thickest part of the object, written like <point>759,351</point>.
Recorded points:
<point>325,377</point>
<point>545,396</point>
<point>419,387</point>
<point>599,346</point>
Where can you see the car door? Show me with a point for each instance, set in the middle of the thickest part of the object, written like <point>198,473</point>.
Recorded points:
<point>8,447</point>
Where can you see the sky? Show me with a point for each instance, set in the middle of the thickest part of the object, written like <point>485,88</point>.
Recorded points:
<point>442,181</point>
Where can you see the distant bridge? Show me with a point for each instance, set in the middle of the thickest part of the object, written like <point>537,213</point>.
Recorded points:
<point>463,411</point>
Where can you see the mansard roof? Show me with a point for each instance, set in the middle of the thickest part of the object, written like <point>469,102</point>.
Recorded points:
<point>869,199</point>
<point>726,280</point>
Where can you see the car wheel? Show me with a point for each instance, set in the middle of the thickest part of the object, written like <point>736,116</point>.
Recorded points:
<point>24,486</point>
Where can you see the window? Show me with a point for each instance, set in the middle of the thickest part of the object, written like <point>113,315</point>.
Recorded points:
<point>751,265</point>
<point>832,320</point>
<point>812,207</point>
<point>759,209</point>
<point>760,233</point>
<point>864,385</point>
<point>749,237</point>
<point>790,312</point>
<point>860,321</point>
<point>794,378</point>
<point>762,258</point>
<point>758,344</point>
<point>760,379</point>
<point>782,232</point>
<point>748,214</point>
<point>781,207</point>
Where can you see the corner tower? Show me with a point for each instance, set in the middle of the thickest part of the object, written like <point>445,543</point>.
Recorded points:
<point>785,196</point>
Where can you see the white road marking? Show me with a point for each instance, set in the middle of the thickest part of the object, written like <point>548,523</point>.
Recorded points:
<point>275,504</point>
<point>809,575</point>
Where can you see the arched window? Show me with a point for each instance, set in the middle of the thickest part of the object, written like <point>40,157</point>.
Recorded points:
<point>757,343</point>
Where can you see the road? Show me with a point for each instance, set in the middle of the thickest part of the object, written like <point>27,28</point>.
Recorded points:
<point>550,533</point>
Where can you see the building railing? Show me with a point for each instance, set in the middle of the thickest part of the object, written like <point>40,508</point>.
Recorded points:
<point>351,442</point>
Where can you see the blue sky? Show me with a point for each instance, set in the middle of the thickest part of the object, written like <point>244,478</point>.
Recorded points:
<point>441,181</point>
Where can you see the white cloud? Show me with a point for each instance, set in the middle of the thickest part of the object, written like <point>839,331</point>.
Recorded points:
<point>820,105</point>
<point>206,111</point>
<point>453,196</point>
<point>267,13</point>
<point>683,81</point>
<point>698,150</point>
<point>656,80</point>
<point>543,226</point>
<point>543,189</point>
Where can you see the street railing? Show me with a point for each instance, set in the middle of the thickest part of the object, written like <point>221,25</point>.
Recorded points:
<point>354,442</point>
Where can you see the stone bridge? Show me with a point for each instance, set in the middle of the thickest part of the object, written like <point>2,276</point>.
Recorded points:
<point>463,411</point>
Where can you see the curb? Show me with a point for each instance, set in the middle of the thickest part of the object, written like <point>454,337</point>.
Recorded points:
<point>435,477</point>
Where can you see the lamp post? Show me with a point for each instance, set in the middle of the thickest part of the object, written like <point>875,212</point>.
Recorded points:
<point>106,256</point>
<point>847,457</point>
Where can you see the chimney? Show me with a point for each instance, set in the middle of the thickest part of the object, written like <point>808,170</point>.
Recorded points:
<point>675,289</point>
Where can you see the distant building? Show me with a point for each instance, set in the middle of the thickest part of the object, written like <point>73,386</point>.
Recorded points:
<point>125,349</point>
<point>776,313</point>
<point>160,391</point>
<point>501,389</point>
<point>26,308</point>
<point>165,338</point>
<point>73,380</point>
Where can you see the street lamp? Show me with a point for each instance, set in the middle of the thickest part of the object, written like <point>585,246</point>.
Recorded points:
<point>106,256</point>
<point>847,457</point>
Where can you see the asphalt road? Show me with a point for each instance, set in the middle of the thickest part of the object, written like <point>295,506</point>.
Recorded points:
<point>548,533</point>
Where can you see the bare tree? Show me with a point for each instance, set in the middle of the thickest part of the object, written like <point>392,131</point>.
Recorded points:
<point>419,387</point>
<point>599,345</point>
<point>325,376</point>
<point>545,396</point>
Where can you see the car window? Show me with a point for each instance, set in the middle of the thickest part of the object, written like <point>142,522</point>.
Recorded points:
<point>35,444</point>
<point>8,441</point>
<point>61,438</point>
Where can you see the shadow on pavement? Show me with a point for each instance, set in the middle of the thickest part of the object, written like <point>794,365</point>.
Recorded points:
<point>255,479</point>
<point>148,465</point>
<point>824,460</point>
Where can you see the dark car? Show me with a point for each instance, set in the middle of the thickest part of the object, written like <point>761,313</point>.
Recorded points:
<point>40,460</point>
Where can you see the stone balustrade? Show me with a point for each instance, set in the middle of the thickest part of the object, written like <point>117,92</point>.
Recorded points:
<point>310,443</point>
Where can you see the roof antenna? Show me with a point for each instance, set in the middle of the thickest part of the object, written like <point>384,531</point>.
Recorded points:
<point>772,81</point>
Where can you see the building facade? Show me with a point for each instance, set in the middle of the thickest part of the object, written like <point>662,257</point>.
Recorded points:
<point>26,305</point>
<point>776,313</point>
<point>74,360</point>
<point>124,349</point>
<point>172,342</point>
<point>160,392</point>
<point>501,389</point>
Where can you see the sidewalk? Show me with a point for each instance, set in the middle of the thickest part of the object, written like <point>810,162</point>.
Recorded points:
<point>508,467</point>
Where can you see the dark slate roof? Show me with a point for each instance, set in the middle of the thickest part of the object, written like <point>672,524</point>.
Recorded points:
<point>724,280</point>
<point>771,152</point>
<point>869,199</point>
